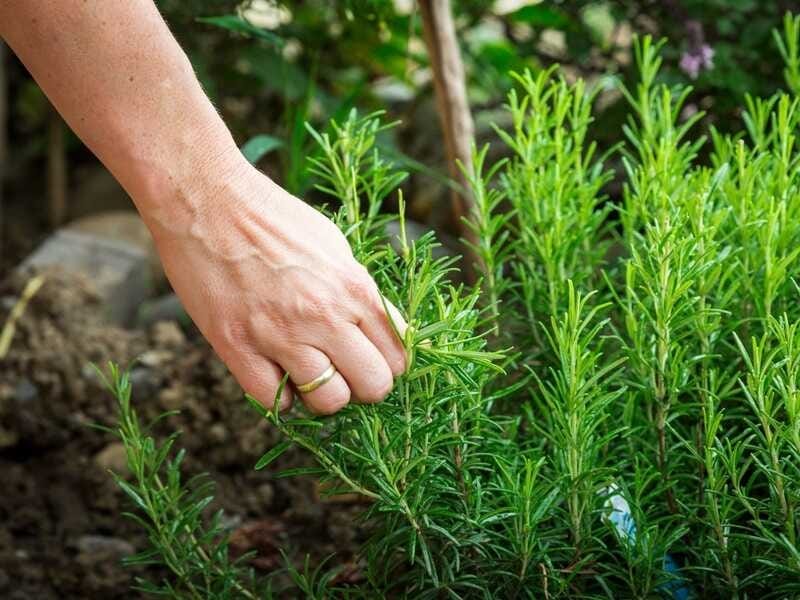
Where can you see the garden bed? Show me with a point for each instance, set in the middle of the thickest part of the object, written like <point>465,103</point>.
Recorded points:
<point>62,529</point>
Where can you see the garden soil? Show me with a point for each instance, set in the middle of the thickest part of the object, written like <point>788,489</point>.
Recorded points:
<point>62,529</point>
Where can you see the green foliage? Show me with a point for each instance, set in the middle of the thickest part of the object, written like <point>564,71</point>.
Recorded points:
<point>259,146</point>
<point>171,511</point>
<point>655,365</point>
<point>238,24</point>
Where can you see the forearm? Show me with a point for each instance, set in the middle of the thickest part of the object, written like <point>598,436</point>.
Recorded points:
<point>119,78</point>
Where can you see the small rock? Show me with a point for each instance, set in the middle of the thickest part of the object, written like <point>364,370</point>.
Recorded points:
<point>118,270</point>
<point>89,372</point>
<point>266,493</point>
<point>155,358</point>
<point>218,433</point>
<point>101,547</point>
<point>8,302</point>
<point>25,391</point>
<point>144,383</point>
<point>167,334</point>
<point>165,308</point>
<point>171,398</point>
<point>112,457</point>
<point>229,522</point>
<point>123,226</point>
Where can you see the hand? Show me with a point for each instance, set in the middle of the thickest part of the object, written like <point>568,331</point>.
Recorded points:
<point>273,286</point>
<point>269,281</point>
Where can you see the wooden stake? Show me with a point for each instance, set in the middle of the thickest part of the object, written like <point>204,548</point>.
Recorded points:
<point>451,100</point>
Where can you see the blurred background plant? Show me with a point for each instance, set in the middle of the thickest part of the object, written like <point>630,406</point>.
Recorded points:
<point>270,65</point>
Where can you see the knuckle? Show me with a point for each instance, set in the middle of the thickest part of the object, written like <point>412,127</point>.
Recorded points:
<point>360,285</point>
<point>317,306</point>
<point>229,334</point>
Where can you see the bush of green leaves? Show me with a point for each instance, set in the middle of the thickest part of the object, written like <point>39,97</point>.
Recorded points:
<point>612,411</point>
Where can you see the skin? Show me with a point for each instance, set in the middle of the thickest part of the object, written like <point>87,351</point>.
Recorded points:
<point>270,282</point>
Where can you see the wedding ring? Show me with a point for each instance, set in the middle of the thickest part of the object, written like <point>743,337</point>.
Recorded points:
<point>321,380</point>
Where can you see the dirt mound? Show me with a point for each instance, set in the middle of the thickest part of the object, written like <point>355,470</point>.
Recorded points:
<point>62,532</point>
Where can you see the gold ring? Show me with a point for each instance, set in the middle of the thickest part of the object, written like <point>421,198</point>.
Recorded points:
<point>321,380</point>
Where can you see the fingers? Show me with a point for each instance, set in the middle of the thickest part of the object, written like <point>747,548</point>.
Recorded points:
<point>351,328</point>
<point>361,364</point>
<point>261,378</point>
<point>371,316</point>
<point>304,364</point>
<point>383,334</point>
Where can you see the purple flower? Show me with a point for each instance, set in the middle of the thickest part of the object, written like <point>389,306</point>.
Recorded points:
<point>696,60</point>
<point>690,64</point>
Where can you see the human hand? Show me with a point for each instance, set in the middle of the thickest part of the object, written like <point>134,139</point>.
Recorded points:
<point>273,286</point>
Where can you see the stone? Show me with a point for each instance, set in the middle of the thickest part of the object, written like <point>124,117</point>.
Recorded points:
<point>113,457</point>
<point>25,391</point>
<point>167,334</point>
<point>118,271</point>
<point>100,548</point>
<point>266,494</point>
<point>154,359</point>
<point>145,382</point>
<point>7,303</point>
<point>126,226</point>
<point>218,433</point>
<point>230,522</point>
<point>163,308</point>
<point>171,398</point>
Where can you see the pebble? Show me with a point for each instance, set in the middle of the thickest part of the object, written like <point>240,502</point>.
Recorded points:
<point>89,372</point>
<point>218,433</point>
<point>171,398</point>
<point>144,383</point>
<point>165,308</point>
<point>112,457</point>
<point>25,391</point>
<point>167,334</point>
<point>155,358</point>
<point>266,493</point>
<point>8,302</point>
<point>229,522</point>
<point>101,547</point>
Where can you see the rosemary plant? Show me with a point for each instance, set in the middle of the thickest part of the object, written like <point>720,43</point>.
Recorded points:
<point>613,410</point>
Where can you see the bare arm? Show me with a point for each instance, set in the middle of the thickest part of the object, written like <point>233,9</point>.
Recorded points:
<point>269,281</point>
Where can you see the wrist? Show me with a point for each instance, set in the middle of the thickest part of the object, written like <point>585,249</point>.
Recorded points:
<point>197,182</point>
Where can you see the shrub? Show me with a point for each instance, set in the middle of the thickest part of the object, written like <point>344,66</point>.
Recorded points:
<point>614,411</point>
